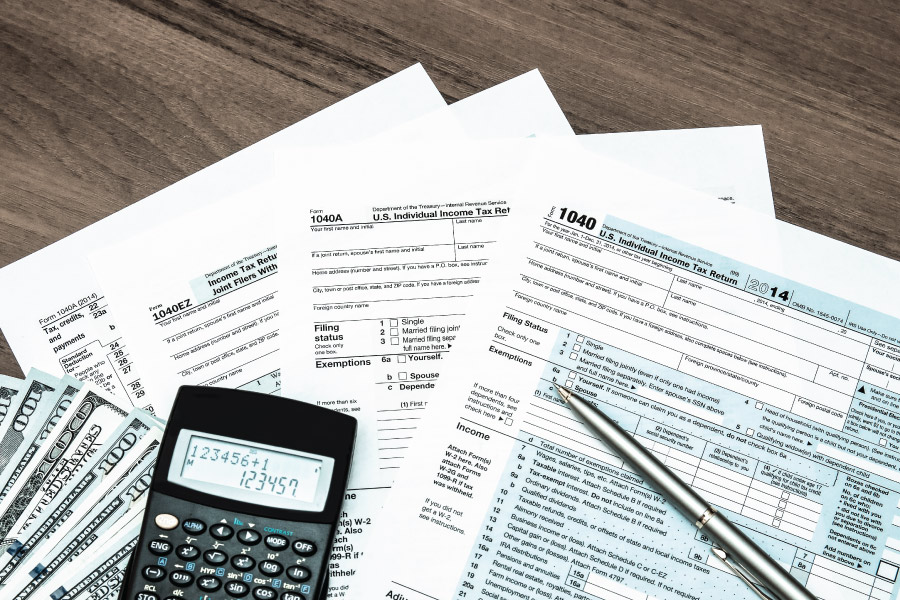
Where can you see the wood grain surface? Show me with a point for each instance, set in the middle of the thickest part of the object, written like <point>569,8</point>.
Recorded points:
<point>104,102</point>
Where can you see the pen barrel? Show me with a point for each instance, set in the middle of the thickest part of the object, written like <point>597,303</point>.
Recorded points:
<point>755,560</point>
<point>750,556</point>
<point>685,499</point>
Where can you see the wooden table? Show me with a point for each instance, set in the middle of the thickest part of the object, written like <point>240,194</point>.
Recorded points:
<point>103,103</point>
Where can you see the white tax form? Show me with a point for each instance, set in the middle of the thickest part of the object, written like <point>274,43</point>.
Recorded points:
<point>56,316</point>
<point>726,162</point>
<point>732,346</point>
<point>200,309</point>
<point>379,287</point>
<point>385,282</point>
<point>522,106</point>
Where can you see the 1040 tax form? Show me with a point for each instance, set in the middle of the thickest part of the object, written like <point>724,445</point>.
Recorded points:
<point>376,292</point>
<point>777,401</point>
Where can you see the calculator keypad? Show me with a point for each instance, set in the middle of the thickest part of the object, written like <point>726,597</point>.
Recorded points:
<point>242,562</point>
<point>193,526</point>
<point>270,568</point>
<point>208,583</point>
<point>304,547</point>
<point>250,537</point>
<point>276,542</point>
<point>181,578</point>
<point>215,553</point>
<point>238,589</point>
<point>264,593</point>
<point>160,547</point>
<point>187,552</point>
<point>215,557</point>
<point>152,573</point>
<point>221,532</point>
<point>298,573</point>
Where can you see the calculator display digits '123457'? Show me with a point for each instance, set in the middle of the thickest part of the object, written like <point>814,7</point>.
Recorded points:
<point>244,500</point>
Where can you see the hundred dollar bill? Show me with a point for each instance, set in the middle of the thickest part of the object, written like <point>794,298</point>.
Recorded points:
<point>9,389</point>
<point>16,427</point>
<point>100,575</point>
<point>116,454</point>
<point>36,428</point>
<point>89,411</point>
<point>79,453</point>
<point>89,523</point>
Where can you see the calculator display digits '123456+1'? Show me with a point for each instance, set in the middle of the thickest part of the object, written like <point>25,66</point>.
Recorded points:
<point>244,501</point>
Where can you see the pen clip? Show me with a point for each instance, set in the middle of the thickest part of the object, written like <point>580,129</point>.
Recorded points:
<point>742,574</point>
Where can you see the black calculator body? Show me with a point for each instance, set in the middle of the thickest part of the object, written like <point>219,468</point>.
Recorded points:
<point>244,501</point>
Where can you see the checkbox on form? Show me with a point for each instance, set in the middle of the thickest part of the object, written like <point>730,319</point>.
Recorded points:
<point>401,375</point>
<point>749,432</point>
<point>395,341</point>
<point>395,331</point>
<point>887,571</point>
<point>401,358</point>
<point>579,339</point>
<point>576,347</point>
<point>569,383</point>
<point>573,355</point>
<point>759,405</point>
<point>394,323</point>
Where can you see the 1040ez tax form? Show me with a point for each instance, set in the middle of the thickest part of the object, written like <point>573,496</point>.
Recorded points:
<point>778,402</point>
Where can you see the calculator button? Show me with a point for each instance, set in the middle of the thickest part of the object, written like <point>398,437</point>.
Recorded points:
<point>166,521</point>
<point>159,547</point>
<point>208,583</point>
<point>238,589</point>
<point>181,578</point>
<point>276,542</point>
<point>221,532</point>
<point>215,557</point>
<point>292,596</point>
<point>304,548</point>
<point>270,568</point>
<point>194,526</point>
<point>298,573</point>
<point>264,593</point>
<point>146,596</point>
<point>249,537</point>
<point>154,573</point>
<point>187,552</point>
<point>242,562</point>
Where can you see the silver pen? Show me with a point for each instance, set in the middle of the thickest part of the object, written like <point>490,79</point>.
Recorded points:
<point>739,553</point>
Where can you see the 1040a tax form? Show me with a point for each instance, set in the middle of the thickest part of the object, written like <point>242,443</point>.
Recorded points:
<point>778,402</point>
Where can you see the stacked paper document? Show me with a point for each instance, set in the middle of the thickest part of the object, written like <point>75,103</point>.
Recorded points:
<point>434,270</point>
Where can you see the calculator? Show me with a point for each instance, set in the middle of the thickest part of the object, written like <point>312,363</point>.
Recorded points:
<point>244,500</point>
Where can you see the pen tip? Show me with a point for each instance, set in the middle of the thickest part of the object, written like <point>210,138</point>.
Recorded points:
<point>564,393</point>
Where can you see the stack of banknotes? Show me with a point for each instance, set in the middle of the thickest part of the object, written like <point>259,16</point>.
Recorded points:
<point>76,463</point>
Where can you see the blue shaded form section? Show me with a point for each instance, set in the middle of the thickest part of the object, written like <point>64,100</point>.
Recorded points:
<point>561,528</point>
<point>875,416</point>
<point>738,275</point>
<point>240,273</point>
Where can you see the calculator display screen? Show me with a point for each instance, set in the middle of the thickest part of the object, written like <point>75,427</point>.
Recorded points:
<point>246,467</point>
<point>250,472</point>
